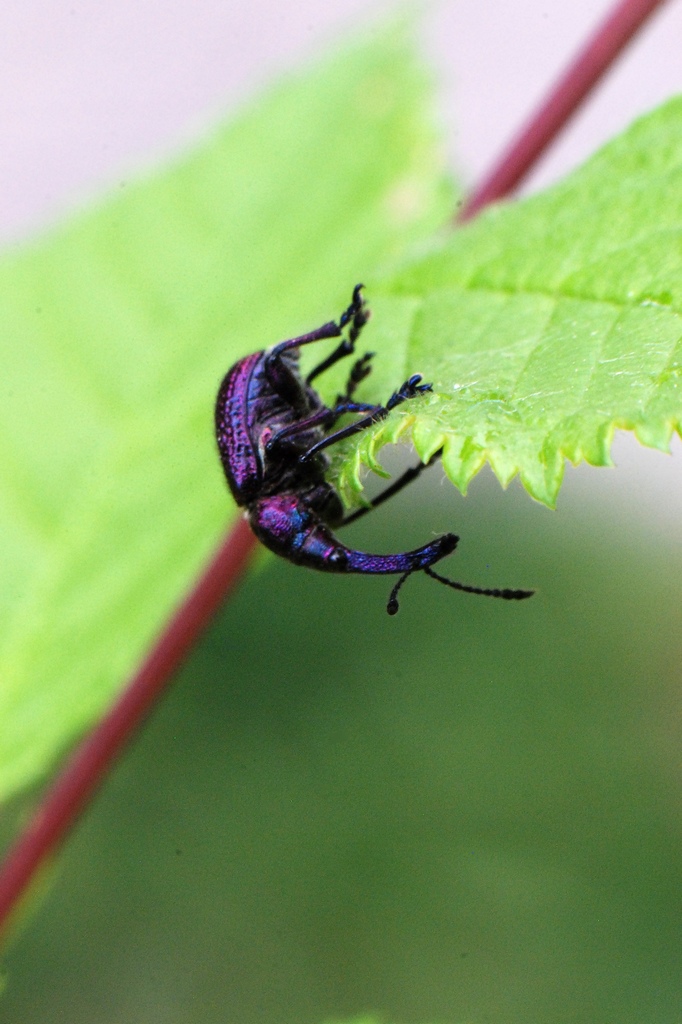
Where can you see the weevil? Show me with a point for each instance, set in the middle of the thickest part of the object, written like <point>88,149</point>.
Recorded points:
<point>273,428</point>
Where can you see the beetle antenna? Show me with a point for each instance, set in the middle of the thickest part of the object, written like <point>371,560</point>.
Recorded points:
<point>392,606</point>
<point>506,595</point>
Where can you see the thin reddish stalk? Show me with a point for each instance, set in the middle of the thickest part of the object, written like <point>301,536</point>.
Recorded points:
<point>590,64</point>
<point>91,761</point>
<point>65,800</point>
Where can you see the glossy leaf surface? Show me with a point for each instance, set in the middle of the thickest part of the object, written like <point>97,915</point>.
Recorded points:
<point>547,324</point>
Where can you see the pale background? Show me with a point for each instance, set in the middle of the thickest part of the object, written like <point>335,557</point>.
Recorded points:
<point>90,92</point>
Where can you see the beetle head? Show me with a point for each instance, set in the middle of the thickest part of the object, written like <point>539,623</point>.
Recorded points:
<point>288,525</point>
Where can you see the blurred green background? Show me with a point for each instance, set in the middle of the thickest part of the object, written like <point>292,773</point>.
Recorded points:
<point>471,812</point>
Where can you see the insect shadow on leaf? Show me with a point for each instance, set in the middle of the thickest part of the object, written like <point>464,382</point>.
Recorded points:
<point>273,428</point>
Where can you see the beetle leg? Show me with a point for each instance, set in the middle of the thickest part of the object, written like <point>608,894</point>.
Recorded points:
<point>360,369</point>
<point>326,417</point>
<point>410,389</point>
<point>343,406</point>
<point>280,376</point>
<point>357,315</point>
<point>345,348</point>
<point>328,330</point>
<point>406,478</point>
<point>323,417</point>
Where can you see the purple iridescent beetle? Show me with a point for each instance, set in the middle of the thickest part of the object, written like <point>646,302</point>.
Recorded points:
<point>272,429</point>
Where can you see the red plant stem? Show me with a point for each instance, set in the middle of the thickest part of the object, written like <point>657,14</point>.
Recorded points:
<point>593,60</point>
<point>91,761</point>
<point>65,800</point>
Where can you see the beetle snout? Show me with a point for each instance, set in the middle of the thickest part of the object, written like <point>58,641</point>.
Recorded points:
<point>448,543</point>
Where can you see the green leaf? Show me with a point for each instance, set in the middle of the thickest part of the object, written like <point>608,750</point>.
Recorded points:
<point>116,331</point>
<point>545,325</point>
